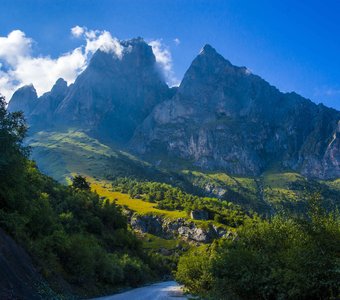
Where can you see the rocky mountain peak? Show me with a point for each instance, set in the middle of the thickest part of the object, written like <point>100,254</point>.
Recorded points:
<point>209,55</point>
<point>60,87</point>
<point>114,94</point>
<point>24,99</point>
<point>209,71</point>
<point>208,50</point>
<point>136,53</point>
<point>26,91</point>
<point>221,117</point>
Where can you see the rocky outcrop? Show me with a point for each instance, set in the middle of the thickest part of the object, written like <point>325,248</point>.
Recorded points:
<point>178,228</point>
<point>43,115</point>
<point>108,99</point>
<point>24,99</point>
<point>221,117</point>
<point>225,118</point>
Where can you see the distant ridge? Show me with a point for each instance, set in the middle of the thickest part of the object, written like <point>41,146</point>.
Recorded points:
<point>221,117</point>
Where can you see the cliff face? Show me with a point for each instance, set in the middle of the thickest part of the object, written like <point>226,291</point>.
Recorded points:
<point>24,99</point>
<point>221,117</point>
<point>225,118</point>
<point>114,94</point>
<point>177,228</point>
<point>109,99</point>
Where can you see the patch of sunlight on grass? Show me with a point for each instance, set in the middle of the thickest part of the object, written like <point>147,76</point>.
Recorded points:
<point>279,194</point>
<point>335,184</point>
<point>152,242</point>
<point>141,207</point>
<point>281,180</point>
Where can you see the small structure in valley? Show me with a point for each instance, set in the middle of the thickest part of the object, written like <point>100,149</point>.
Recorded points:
<point>199,214</point>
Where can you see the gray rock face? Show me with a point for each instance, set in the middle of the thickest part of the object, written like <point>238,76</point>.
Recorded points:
<point>42,115</point>
<point>24,99</point>
<point>110,98</point>
<point>225,118</point>
<point>179,228</point>
<point>115,94</point>
<point>221,117</point>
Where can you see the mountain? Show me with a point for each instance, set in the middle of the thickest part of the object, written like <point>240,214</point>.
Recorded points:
<point>24,99</point>
<point>225,118</point>
<point>114,94</point>
<point>109,98</point>
<point>221,117</point>
<point>43,113</point>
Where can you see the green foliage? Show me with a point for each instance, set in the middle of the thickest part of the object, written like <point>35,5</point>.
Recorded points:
<point>194,269</point>
<point>284,258</point>
<point>79,182</point>
<point>12,153</point>
<point>173,198</point>
<point>269,193</point>
<point>71,232</point>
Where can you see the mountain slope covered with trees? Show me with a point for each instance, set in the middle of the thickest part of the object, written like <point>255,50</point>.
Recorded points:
<point>79,242</point>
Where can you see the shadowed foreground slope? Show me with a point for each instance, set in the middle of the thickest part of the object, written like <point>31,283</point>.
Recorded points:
<point>18,277</point>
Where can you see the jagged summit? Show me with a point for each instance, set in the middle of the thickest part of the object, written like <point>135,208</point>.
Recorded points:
<point>221,117</point>
<point>207,49</point>
<point>225,118</point>
<point>112,96</point>
<point>209,54</point>
<point>134,49</point>
<point>59,86</point>
<point>24,99</point>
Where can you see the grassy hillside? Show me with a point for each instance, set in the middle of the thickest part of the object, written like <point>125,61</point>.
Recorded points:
<point>270,192</point>
<point>80,242</point>
<point>136,205</point>
<point>61,154</point>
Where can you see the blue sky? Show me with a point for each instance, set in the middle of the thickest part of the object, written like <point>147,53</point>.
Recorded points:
<point>295,45</point>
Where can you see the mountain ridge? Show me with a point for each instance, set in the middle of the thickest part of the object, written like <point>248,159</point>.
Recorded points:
<point>221,117</point>
<point>239,123</point>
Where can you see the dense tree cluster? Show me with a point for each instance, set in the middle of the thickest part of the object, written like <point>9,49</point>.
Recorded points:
<point>173,198</point>
<point>285,257</point>
<point>70,231</point>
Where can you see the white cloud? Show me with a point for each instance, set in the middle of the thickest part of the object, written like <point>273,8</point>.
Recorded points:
<point>177,41</point>
<point>19,67</point>
<point>14,46</point>
<point>44,71</point>
<point>7,86</point>
<point>96,39</point>
<point>103,41</point>
<point>77,31</point>
<point>164,59</point>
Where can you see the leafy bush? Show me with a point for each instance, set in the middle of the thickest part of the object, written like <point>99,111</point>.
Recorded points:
<point>70,231</point>
<point>284,258</point>
<point>170,198</point>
